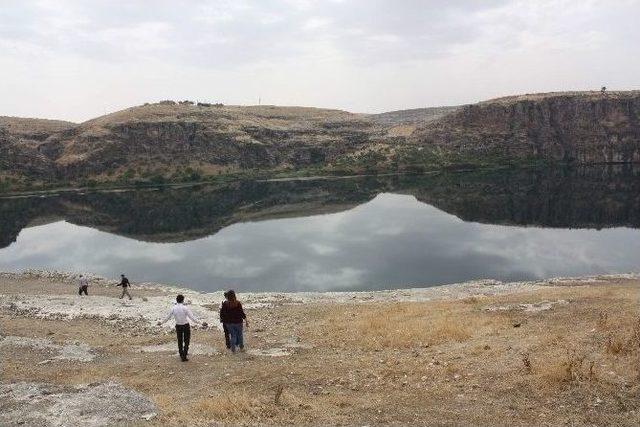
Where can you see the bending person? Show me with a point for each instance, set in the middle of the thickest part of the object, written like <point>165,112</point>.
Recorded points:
<point>182,314</point>
<point>231,316</point>
<point>83,285</point>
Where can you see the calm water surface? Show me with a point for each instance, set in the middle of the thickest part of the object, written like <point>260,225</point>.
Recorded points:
<point>350,234</point>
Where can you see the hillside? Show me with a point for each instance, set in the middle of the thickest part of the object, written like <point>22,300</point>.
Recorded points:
<point>211,139</point>
<point>19,142</point>
<point>580,127</point>
<point>176,142</point>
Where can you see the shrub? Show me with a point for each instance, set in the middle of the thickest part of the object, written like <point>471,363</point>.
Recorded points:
<point>573,367</point>
<point>157,179</point>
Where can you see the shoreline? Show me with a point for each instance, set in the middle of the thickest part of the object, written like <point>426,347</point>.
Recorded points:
<point>425,293</point>
<point>288,176</point>
<point>562,347</point>
<point>47,294</point>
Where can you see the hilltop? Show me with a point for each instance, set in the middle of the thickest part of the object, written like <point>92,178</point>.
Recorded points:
<point>182,141</point>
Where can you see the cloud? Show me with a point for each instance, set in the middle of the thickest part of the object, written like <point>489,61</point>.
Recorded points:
<point>366,55</point>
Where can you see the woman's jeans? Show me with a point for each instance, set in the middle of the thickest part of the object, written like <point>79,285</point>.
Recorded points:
<point>235,335</point>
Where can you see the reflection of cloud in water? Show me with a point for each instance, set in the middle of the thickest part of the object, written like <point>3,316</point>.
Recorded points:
<point>322,249</point>
<point>392,241</point>
<point>314,277</point>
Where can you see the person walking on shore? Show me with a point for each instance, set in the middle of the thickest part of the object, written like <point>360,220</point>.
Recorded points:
<point>124,282</point>
<point>182,314</point>
<point>83,285</point>
<point>231,316</point>
<point>227,340</point>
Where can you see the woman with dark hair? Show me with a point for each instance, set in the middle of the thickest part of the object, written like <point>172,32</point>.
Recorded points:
<point>231,317</point>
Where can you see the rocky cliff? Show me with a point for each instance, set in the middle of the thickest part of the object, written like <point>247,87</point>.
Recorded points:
<point>183,142</point>
<point>583,127</point>
<point>169,138</point>
<point>19,142</point>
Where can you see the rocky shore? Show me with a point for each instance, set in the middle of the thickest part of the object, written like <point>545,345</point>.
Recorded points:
<point>549,352</point>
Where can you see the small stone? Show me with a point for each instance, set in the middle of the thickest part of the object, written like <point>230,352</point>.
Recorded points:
<point>148,416</point>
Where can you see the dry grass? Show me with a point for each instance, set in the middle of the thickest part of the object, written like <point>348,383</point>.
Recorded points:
<point>409,325</point>
<point>572,366</point>
<point>230,406</point>
<point>439,362</point>
<point>606,355</point>
<point>246,406</point>
<point>623,335</point>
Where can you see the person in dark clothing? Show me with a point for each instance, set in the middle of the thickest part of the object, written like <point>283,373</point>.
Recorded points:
<point>231,316</point>
<point>124,282</point>
<point>227,340</point>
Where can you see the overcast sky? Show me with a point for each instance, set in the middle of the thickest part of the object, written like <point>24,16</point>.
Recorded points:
<point>76,59</point>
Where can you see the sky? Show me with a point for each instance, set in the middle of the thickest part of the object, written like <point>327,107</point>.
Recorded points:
<point>78,59</point>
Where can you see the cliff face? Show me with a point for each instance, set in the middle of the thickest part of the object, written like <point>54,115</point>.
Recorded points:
<point>19,146</point>
<point>172,140</point>
<point>212,138</point>
<point>569,127</point>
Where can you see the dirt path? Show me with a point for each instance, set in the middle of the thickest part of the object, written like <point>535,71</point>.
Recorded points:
<point>562,352</point>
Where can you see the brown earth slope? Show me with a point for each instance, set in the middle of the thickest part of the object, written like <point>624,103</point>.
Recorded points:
<point>581,127</point>
<point>185,142</point>
<point>19,142</point>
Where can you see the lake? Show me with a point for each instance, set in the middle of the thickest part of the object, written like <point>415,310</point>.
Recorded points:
<point>338,234</point>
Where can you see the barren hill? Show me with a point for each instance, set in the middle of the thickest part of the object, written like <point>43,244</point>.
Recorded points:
<point>171,141</point>
<point>19,142</point>
<point>209,138</point>
<point>580,127</point>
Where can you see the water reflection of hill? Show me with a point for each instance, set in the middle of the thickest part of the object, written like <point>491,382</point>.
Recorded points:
<point>592,197</point>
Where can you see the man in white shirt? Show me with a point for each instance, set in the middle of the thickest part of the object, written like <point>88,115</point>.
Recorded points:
<point>83,285</point>
<point>182,315</point>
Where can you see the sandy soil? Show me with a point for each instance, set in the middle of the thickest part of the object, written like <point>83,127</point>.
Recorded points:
<point>557,352</point>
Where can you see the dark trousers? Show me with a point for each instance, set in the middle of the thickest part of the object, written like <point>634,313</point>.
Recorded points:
<point>227,340</point>
<point>235,336</point>
<point>83,289</point>
<point>184,335</point>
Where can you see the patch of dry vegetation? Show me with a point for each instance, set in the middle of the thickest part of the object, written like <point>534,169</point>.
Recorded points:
<point>230,406</point>
<point>408,325</point>
<point>26,126</point>
<point>450,362</point>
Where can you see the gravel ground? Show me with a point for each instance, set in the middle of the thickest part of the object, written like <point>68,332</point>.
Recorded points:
<point>92,405</point>
<point>554,352</point>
